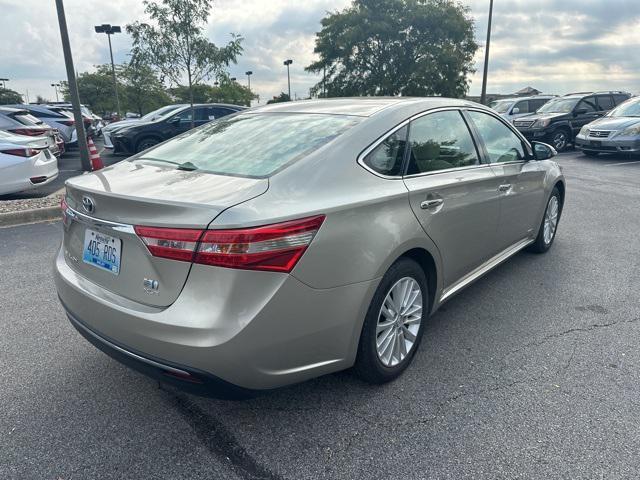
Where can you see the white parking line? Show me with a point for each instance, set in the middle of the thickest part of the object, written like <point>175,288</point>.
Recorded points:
<point>621,163</point>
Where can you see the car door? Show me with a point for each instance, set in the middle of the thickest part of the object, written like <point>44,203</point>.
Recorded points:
<point>454,197</point>
<point>586,111</point>
<point>605,103</point>
<point>180,122</point>
<point>521,179</point>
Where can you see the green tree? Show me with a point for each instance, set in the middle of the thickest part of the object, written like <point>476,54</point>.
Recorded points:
<point>96,89</point>
<point>201,93</point>
<point>283,97</point>
<point>229,91</point>
<point>41,99</point>
<point>175,43</point>
<point>396,47</point>
<point>143,91</point>
<point>8,96</point>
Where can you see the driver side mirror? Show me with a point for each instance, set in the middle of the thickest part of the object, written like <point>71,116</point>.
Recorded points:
<point>174,120</point>
<point>542,151</point>
<point>515,111</point>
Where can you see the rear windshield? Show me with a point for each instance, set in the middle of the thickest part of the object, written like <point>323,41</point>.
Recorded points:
<point>26,118</point>
<point>251,145</point>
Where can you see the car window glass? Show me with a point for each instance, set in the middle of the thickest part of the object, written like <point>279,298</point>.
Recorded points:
<point>387,158</point>
<point>620,98</point>
<point>440,141</point>
<point>502,144</point>
<point>184,116</point>
<point>523,106</point>
<point>202,114</point>
<point>534,105</point>
<point>217,112</point>
<point>589,104</point>
<point>605,102</point>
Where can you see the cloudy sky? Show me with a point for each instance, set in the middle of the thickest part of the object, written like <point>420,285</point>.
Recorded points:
<point>551,45</point>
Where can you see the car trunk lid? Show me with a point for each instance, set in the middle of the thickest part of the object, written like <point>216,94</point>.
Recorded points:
<point>107,204</point>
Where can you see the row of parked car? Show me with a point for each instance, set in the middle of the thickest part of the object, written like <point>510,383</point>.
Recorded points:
<point>595,122</point>
<point>32,137</point>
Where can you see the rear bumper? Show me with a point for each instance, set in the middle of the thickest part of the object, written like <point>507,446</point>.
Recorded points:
<point>608,145</point>
<point>188,379</point>
<point>252,330</point>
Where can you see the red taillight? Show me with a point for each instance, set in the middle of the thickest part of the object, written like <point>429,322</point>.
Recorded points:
<point>21,152</point>
<point>173,243</point>
<point>32,132</point>
<point>68,123</point>
<point>275,248</point>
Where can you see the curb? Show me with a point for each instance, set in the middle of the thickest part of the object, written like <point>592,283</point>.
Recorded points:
<point>11,219</point>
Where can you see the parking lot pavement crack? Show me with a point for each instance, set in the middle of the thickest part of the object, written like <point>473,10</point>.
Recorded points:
<point>219,440</point>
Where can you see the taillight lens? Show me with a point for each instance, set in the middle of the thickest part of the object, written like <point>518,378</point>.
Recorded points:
<point>276,247</point>
<point>32,132</point>
<point>22,152</point>
<point>68,123</point>
<point>173,243</point>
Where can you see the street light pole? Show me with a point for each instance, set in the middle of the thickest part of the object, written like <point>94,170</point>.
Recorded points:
<point>248,74</point>
<point>110,30</point>
<point>483,95</point>
<point>55,87</point>
<point>73,88</point>
<point>287,63</point>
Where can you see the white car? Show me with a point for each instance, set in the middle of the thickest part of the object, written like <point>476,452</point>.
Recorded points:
<point>25,163</point>
<point>512,108</point>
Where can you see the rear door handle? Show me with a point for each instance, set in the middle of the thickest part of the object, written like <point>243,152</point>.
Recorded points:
<point>504,188</point>
<point>436,202</point>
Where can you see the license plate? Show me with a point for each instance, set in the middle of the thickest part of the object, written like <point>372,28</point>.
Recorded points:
<point>102,251</point>
<point>595,143</point>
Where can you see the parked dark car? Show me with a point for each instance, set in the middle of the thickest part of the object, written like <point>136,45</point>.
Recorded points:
<point>141,135</point>
<point>559,121</point>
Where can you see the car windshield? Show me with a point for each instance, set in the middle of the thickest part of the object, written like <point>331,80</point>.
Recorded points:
<point>560,105</point>
<point>501,106</point>
<point>629,108</point>
<point>251,145</point>
<point>159,112</point>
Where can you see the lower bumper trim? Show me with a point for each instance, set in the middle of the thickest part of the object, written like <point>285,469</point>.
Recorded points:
<point>187,379</point>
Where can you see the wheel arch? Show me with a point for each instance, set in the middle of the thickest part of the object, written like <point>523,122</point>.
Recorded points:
<point>428,264</point>
<point>145,136</point>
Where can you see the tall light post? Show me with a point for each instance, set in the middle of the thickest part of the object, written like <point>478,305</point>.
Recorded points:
<point>110,30</point>
<point>248,74</point>
<point>483,95</point>
<point>287,63</point>
<point>55,87</point>
<point>73,88</point>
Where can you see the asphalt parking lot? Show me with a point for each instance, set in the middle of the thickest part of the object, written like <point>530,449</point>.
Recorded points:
<point>532,372</point>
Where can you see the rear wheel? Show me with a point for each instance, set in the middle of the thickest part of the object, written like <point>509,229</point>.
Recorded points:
<point>560,139</point>
<point>394,323</point>
<point>146,143</point>
<point>549,225</point>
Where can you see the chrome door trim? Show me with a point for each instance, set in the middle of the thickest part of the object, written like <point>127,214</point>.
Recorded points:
<point>484,268</point>
<point>98,223</point>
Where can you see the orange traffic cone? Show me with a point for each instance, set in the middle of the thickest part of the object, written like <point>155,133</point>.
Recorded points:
<point>96,161</point>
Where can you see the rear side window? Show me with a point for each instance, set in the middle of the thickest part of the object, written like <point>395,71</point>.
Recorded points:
<point>534,105</point>
<point>440,141</point>
<point>387,158</point>
<point>252,145</point>
<point>605,102</point>
<point>522,106</point>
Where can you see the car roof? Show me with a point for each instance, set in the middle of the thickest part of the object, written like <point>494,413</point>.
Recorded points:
<point>4,109</point>
<point>358,106</point>
<point>528,97</point>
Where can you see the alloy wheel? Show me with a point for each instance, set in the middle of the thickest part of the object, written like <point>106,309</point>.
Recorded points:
<point>551,219</point>
<point>399,321</point>
<point>560,141</point>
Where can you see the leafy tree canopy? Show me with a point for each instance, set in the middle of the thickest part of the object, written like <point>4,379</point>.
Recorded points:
<point>283,97</point>
<point>175,43</point>
<point>95,89</point>
<point>8,96</point>
<point>396,47</point>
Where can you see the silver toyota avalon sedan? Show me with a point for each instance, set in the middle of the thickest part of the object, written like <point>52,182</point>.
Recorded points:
<point>294,240</point>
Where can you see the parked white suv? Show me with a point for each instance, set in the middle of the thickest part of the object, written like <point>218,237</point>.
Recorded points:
<point>512,108</point>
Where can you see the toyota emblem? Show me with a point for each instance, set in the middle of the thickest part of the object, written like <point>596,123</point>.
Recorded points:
<point>88,204</point>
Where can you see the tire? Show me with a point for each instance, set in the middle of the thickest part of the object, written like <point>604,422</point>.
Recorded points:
<point>590,153</point>
<point>543,242</point>
<point>560,139</point>
<point>372,366</point>
<point>145,143</point>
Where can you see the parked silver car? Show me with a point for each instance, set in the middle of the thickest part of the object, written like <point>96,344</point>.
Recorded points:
<point>512,108</point>
<point>297,239</point>
<point>617,132</point>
